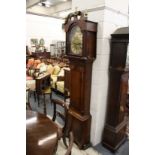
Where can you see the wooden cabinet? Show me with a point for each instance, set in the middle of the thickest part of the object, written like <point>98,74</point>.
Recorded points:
<point>81,52</point>
<point>115,127</point>
<point>41,55</point>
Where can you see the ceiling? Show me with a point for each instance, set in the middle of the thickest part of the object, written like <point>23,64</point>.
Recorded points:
<point>52,8</point>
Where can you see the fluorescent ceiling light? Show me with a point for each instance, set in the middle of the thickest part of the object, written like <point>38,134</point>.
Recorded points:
<point>46,4</point>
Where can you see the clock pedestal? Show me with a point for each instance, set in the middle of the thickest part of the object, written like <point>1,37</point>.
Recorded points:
<point>80,125</point>
<point>79,118</point>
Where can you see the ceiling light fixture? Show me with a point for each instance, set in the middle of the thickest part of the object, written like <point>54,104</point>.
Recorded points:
<point>46,4</point>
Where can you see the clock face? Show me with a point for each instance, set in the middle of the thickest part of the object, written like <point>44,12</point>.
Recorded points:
<point>76,40</point>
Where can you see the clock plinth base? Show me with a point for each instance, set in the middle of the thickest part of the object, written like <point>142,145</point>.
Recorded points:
<point>80,126</point>
<point>114,137</point>
<point>111,148</point>
<point>85,146</point>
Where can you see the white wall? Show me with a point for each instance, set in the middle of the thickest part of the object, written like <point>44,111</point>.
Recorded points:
<point>86,4</point>
<point>113,15</point>
<point>120,5</point>
<point>44,27</point>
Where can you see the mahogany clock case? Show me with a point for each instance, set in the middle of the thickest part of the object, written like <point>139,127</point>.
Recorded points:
<point>79,118</point>
<point>88,29</point>
<point>114,133</point>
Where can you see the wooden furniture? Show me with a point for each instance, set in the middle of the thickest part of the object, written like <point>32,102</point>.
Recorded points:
<point>115,127</point>
<point>31,85</point>
<point>124,98</point>
<point>67,79</point>
<point>62,85</point>
<point>64,117</point>
<point>81,52</point>
<point>41,55</point>
<point>28,106</point>
<point>41,134</point>
<point>43,87</point>
<point>57,49</point>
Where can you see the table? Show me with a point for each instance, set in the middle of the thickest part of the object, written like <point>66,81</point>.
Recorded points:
<point>42,82</point>
<point>28,106</point>
<point>41,134</point>
<point>39,85</point>
<point>43,87</point>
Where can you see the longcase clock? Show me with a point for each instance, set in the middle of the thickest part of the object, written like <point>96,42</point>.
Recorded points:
<point>115,128</point>
<point>81,52</point>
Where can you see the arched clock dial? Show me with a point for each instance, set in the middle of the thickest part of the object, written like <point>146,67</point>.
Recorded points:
<point>76,40</point>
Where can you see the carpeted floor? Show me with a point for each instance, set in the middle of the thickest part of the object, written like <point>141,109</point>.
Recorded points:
<point>96,150</point>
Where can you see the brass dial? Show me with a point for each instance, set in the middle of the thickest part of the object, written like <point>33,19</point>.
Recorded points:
<point>76,40</point>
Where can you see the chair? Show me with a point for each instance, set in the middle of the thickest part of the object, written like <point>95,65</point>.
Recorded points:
<point>55,75</point>
<point>30,63</point>
<point>63,84</point>
<point>62,130</point>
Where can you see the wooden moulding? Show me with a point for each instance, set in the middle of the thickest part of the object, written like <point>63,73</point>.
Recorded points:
<point>80,125</point>
<point>114,137</point>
